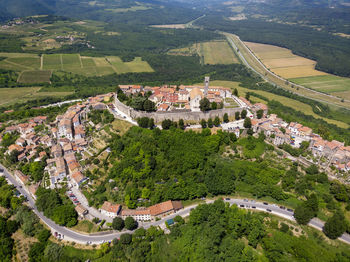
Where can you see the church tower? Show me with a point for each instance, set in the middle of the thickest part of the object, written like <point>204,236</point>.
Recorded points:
<point>206,85</point>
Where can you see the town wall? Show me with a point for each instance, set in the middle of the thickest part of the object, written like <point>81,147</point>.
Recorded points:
<point>177,115</point>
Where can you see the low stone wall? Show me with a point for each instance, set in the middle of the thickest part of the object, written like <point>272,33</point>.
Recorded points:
<point>175,115</point>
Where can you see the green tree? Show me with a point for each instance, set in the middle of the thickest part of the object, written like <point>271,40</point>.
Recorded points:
<point>247,123</point>
<point>217,121</point>
<point>166,124</point>
<point>204,104</point>
<point>235,92</point>
<point>149,106</point>
<point>130,223</point>
<point>125,239</point>
<point>203,123</point>
<point>247,96</point>
<point>118,223</point>
<point>335,226</point>
<point>214,106</point>
<point>237,115</point>
<point>151,123</point>
<point>244,113</point>
<point>226,120</point>
<point>181,124</point>
<point>210,123</point>
<point>53,252</point>
<point>260,113</point>
<point>143,122</point>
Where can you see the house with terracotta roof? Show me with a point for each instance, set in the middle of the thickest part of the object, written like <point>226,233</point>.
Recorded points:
<point>143,214</point>
<point>82,211</point>
<point>77,179</point>
<point>61,170</point>
<point>260,106</point>
<point>14,147</point>
<point>163,107</point>
<point>331,147</point>
<point>165,208</point>
<point>109,209</point>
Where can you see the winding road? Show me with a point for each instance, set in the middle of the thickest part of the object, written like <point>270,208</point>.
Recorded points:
<point>98,238</point>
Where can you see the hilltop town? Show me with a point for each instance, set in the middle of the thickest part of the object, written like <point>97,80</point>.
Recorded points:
<point>61,146</point>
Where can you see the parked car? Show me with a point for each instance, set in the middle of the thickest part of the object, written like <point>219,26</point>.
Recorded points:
<point>268,210</point>
<point>265,203</point>
<point>227,198</point>
<point>282,207</point>
<point>241,205</point>
<point>253,206</point>
<point>290,210</point>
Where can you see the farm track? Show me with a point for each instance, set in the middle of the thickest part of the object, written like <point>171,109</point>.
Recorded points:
<point>249,59</point>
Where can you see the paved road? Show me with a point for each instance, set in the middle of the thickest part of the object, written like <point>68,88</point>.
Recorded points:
<point>276,210</point>
<point>71,235</point>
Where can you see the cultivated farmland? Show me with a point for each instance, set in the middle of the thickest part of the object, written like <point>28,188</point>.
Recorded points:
<point>212,53</point>
<point>18,95</point>
<point>33,77</point>
<point>338,86</point>
<point>74,63</point>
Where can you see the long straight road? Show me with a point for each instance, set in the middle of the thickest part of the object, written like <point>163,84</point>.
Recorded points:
<point>98,238</point>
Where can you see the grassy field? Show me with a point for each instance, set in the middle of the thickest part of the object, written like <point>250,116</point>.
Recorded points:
<point>218,52</point>
<point>283,62</point>
<point>37,76</point>
<point>305,108</point>
<point>74,63</point>
<point>18,95</point>
<point>214,52</point>
<point>339,86</point>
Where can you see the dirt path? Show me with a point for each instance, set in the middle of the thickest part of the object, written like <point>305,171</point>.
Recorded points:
<point>61,61</point>
<point>41,62</point>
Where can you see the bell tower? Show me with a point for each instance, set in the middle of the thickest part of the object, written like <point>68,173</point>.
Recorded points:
<point>206,85</point>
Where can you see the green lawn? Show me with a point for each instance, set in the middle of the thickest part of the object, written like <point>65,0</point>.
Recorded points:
<point>252,147</point>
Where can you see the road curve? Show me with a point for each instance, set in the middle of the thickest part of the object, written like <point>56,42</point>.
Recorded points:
<point>98,238</point>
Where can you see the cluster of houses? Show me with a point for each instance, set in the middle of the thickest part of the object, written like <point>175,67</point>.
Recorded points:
<point>168,98</point>
<point>69,132</point>
<point>29,142</point>
<point>295,134</point>
<point>142,214</point>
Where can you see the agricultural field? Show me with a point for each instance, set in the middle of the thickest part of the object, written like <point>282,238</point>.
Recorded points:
<point>33,77</point>
<point>335,85</point>
<point>212,53</point>
<point>283,62</point>
<point>74,63</point>
<point>10,96</point>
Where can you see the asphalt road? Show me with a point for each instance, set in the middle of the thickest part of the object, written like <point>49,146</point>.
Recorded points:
<point>102,237</point>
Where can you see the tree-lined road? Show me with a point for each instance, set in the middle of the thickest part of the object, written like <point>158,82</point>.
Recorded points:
<point>70,235</point>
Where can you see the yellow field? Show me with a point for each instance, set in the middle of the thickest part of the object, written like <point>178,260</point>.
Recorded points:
<point>283,62</point>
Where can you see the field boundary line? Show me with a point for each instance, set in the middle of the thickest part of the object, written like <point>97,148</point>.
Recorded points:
<point>61,57</point>
<point>81,62</point>
<point>42,62</point>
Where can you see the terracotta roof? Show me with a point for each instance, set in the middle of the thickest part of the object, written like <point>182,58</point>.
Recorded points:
<point>78,177</point>
<point>163,107</point>
<point>196,92</point>
<point>165,207</point>
<point>135,212</point>
<point>109,207</point>
<point>80,209</point>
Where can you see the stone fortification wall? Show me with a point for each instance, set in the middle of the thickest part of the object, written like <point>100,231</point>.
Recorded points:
<point>175,115</point>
